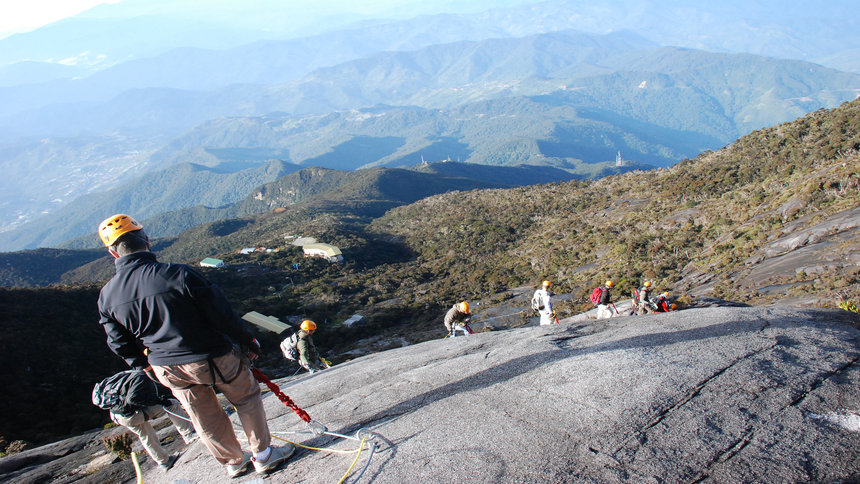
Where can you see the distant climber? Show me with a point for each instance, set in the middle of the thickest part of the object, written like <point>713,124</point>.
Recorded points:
<point>457,319</point>
<point>308,357</point>
<point>603,300</point>
<point>662,304</point>
<point>134,399</point>
<point>542,303</point>
<point>642,302</point>
<point>189,328</point>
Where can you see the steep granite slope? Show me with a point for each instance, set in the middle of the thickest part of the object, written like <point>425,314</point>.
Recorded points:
<point>706,395</point>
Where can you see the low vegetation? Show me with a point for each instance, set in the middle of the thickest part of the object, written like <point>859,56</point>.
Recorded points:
<point>119,444</point>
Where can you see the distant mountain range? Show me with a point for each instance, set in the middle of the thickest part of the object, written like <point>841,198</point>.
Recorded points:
<point>495,86</point>
<point>153,29</point>
<point>685,103</point>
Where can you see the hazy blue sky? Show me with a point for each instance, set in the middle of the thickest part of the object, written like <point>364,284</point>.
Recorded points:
<point>26,15</point>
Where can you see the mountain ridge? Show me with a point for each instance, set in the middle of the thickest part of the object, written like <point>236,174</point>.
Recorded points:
<point>333,186</point>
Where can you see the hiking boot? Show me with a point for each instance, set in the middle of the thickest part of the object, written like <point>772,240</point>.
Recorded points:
<point>276,457</point>
<point>236,470</point>
<point>170,461</point>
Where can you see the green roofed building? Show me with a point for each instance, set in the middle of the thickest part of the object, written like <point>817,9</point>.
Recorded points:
<point>326,251</point>
<point>210,262</point>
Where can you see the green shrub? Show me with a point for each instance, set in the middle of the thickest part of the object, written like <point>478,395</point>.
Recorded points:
<point>119,444</point>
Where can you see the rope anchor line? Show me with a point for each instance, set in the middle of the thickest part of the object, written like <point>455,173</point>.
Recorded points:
<point>318,429</point>
<point>262,378</point>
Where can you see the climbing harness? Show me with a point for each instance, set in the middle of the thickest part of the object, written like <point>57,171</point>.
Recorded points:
<point>465,328</point>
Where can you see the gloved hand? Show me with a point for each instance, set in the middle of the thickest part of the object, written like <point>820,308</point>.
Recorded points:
<point>252,349</point>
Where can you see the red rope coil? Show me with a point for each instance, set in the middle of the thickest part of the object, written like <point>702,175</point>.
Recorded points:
<point>262,378</point>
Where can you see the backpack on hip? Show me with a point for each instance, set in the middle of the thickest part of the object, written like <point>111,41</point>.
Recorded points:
<point>289,347</point>
<point>125,393</point>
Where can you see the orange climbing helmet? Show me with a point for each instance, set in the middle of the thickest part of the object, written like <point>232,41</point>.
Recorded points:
<point>464,307</point>
<point>308,325</point>
<point>115,226</point>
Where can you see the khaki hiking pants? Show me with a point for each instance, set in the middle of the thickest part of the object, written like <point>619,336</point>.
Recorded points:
<point>546,317</point>
<point>139,424</point>
<point>604,311</point>
<point>191,384</point>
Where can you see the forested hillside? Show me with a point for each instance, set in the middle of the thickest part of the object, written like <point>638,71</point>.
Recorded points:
<point>711,217</point>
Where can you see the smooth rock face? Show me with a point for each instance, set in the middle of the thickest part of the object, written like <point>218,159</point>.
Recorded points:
<point>758,394</point>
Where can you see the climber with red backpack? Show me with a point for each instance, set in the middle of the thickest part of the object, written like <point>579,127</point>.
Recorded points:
<point>601,297</point>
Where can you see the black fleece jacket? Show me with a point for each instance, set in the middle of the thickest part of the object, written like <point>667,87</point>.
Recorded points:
<point>170,309</point>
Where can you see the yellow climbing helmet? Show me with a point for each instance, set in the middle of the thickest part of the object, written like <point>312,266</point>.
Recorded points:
<point>308,325</point>
<point>115,226</point>
<point>547,284</point>
<point>464,307</point>
<point>647,283</point>
<point>609,283</point>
